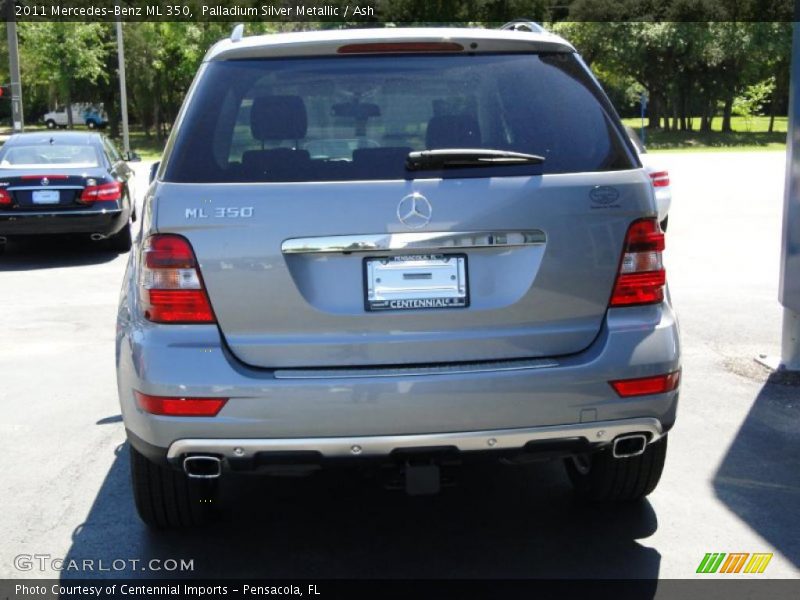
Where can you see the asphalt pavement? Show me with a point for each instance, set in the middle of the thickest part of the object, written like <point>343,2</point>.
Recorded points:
<point>731,482</point>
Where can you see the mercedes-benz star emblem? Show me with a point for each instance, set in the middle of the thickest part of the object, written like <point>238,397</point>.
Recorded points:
<point>45,181</point>
<point>414,211</point>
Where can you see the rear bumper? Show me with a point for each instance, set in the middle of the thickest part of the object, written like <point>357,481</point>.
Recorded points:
<point>105,221</point>
<point>601,432</point>
<point>324,410</point>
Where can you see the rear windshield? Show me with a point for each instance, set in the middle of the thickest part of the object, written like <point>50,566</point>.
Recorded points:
<point>48,156</point>
<point>357,118</point>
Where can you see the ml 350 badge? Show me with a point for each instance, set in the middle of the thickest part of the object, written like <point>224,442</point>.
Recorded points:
<point>220,212</point>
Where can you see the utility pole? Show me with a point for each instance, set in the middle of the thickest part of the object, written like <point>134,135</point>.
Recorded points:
<point>126,142</point>
<point>789,293</point>
<point>643,107</point>
<point>17,121</point>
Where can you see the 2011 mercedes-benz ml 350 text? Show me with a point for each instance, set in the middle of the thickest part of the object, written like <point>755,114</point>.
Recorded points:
<point>406,247</point>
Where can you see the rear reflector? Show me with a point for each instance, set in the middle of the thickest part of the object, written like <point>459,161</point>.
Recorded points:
<point>106,192</point>
<point>641,277</point>
<point>5,198</point>
<point>400,47</point>
<point>660,178</point>
<point>171,406</point>
<point>171,288</point>
<point>647,385</point>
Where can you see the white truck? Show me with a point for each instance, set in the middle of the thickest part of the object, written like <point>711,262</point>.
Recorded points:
<point>91,115</point>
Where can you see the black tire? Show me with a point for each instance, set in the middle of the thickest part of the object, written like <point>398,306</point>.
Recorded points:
<point>600,477</point>
<point>91,124</point>
<point>120,241</point>
<point>2,248</point>
<point>664,223</point>
<point>166,498</point>
<point>50,124</point>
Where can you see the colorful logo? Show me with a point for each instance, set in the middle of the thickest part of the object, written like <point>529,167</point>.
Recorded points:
<point>734,562</point>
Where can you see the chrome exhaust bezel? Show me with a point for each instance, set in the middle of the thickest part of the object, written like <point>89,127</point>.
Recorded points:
<point>189,459</point>
<point>625,438</point>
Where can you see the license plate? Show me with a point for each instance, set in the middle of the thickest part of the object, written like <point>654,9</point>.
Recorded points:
<point>46,197</point>
<point>417,281</point>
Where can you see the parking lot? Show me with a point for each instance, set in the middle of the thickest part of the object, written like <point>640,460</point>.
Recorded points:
<point>731,482</point>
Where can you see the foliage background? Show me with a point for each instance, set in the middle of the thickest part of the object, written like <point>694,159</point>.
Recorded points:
<point>692,63</point>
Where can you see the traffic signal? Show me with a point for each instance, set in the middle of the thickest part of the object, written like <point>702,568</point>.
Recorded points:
<point>5,92</point>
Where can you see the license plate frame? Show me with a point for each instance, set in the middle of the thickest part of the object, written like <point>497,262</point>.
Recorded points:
<point>46,197</point>
<point>429,277</point>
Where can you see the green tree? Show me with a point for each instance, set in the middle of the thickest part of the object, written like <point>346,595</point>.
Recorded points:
<point>62,58</point>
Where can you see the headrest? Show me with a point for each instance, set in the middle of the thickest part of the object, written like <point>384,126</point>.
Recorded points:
<point>278,118</point>
<point>453,131</point>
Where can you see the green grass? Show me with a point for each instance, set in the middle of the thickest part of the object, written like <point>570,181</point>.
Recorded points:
<point>748,134</point>
<point>148,148</point>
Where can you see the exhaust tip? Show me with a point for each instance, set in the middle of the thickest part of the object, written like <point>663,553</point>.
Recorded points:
<point>3,239</point>
<point>202,467</point>
<point>96,237</point>
<point>629,445</point>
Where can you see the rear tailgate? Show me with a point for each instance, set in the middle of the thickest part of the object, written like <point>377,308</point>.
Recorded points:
<point>279,309</point>
<point>275,159</point>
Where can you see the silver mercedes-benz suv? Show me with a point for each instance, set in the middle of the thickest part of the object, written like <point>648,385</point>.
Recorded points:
<point>397,247</point>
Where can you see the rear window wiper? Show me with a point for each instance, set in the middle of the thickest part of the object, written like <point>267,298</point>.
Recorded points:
<point>468,157</point>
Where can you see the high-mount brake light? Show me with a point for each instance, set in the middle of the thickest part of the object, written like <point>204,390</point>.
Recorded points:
<point>48,177</point>
<point>171,288</point>
<point>641,277</point>
<point>399,47</point>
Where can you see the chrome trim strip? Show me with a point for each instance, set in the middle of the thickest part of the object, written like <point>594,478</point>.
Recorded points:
<point>498,439</point>
<point>61,213</point>
<point>363,372</point>
<point>55,188</point>
<point>425,241</point>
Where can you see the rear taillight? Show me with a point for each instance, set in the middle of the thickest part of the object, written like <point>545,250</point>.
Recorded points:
<point>106,192</point>
<point>172,406</point>
<point>171,288</point>
<point>5,198</point>
<point>641,276</point>
<point>660,178</point>
<point>644,386</point>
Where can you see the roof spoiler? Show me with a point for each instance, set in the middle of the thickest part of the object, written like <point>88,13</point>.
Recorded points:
<point>523,25</point>
<point>237,33</point>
